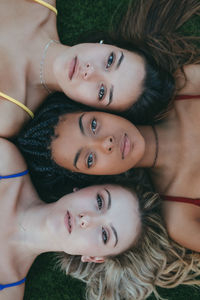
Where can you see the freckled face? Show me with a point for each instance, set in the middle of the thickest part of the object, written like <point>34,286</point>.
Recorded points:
<point>97,221</point>
<point>96,143</point>
<point>102,76</point>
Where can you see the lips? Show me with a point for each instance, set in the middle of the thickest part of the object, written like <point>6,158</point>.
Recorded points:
<point>125,146</point>
<point>68,221</point>
<point>72,67</point>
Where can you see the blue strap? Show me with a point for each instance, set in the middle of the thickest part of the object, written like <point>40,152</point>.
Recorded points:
<point>4,286</point>
<point>14,175</point>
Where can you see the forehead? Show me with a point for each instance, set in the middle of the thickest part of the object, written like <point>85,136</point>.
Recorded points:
<point>126,216</point>
<point>98,47</point>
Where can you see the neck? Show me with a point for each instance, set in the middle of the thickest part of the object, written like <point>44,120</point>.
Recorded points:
<point>168,144</point>
<point>34,232</point>
<point>150,147</point>
<point>55,57</point>
<point>41,63</point>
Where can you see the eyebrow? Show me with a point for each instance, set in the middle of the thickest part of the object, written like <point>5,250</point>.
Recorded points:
<point>81,124</point>
<point>76,158</point>
<point>109,198</point>
<point>113,229</point>
<point>120,60</point>
<point>115,234</point>
<point>110,95</point>
<point>112,87</point>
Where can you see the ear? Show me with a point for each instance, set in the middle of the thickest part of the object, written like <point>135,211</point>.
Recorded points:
<point>95,259</point>
<point>75,189</point>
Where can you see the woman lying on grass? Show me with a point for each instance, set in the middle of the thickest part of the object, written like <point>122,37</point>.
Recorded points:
<point>87,228</point>
<point>67,142</point>
<point>95,74</point>
<point>65,137</point>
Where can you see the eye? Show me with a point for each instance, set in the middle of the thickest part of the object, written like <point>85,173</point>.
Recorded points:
<point>110,60</point>
<point>102,92</point>
<point>104,236</point>
<point>99,201</point>
<point>94,125</point>
<point>90,160</point>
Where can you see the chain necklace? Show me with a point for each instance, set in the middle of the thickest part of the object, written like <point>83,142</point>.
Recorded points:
<point>42,62</point>
<point>157,146</point>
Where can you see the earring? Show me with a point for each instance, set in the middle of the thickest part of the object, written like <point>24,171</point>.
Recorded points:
<point>101,42</point>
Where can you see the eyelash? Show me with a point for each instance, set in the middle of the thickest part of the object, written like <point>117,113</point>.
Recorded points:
<point>100,201</point>
<point>100,204</point>
<point>110,60</point>
<point>90,160</point>
<point>102,90</point>
<point>104,236</point>
<point>94,125</point>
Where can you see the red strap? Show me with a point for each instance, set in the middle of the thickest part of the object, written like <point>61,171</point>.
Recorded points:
<point>186,97</point>
<point>181,199</point>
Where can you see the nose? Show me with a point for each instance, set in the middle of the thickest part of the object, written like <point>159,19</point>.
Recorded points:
<point>87,71</point>
<point>84,221</point>
<point>107,144</point>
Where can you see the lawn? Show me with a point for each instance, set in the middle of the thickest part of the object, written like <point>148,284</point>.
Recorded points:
<point>44,282</point>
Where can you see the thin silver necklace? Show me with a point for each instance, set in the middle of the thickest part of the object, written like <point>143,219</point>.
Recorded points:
<point>157,146</point>
<point>42,62</point>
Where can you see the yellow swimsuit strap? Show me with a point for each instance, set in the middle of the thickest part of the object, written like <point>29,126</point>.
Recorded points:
<point>51,7</point>
<point>24,107</point>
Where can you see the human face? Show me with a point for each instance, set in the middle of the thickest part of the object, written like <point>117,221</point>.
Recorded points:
<point>96,221</point>
<point>96,143</point>
<point>102,76</point>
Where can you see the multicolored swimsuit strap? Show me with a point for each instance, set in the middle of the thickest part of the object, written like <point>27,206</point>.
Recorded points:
<point>4,286</point>
<point>18,103</point>
<point>14,175</point>
<point>51,7</point>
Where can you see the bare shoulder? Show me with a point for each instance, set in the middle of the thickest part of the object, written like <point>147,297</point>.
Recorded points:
<point>13,293</point>
<point>192,84</point>
<point>12,118</point>
<point>183,223</point>
<point>11,160</point>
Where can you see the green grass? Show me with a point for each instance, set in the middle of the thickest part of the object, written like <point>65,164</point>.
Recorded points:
<point>44,282</point>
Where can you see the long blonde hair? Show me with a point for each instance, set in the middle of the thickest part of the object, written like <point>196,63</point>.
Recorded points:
<point>153,261</point>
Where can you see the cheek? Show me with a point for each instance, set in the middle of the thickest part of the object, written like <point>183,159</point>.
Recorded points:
<point>84,92</point>
<point>86,242</point>
<point>63,153</point>
<point>110,165</point>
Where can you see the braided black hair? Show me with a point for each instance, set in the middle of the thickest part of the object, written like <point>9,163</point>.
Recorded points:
<point>34,141</point>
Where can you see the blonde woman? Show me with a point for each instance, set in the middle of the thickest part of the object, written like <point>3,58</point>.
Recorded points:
<point>88,228</point>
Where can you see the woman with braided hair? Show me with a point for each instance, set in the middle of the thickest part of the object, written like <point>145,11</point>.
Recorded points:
<point>67,142</point>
